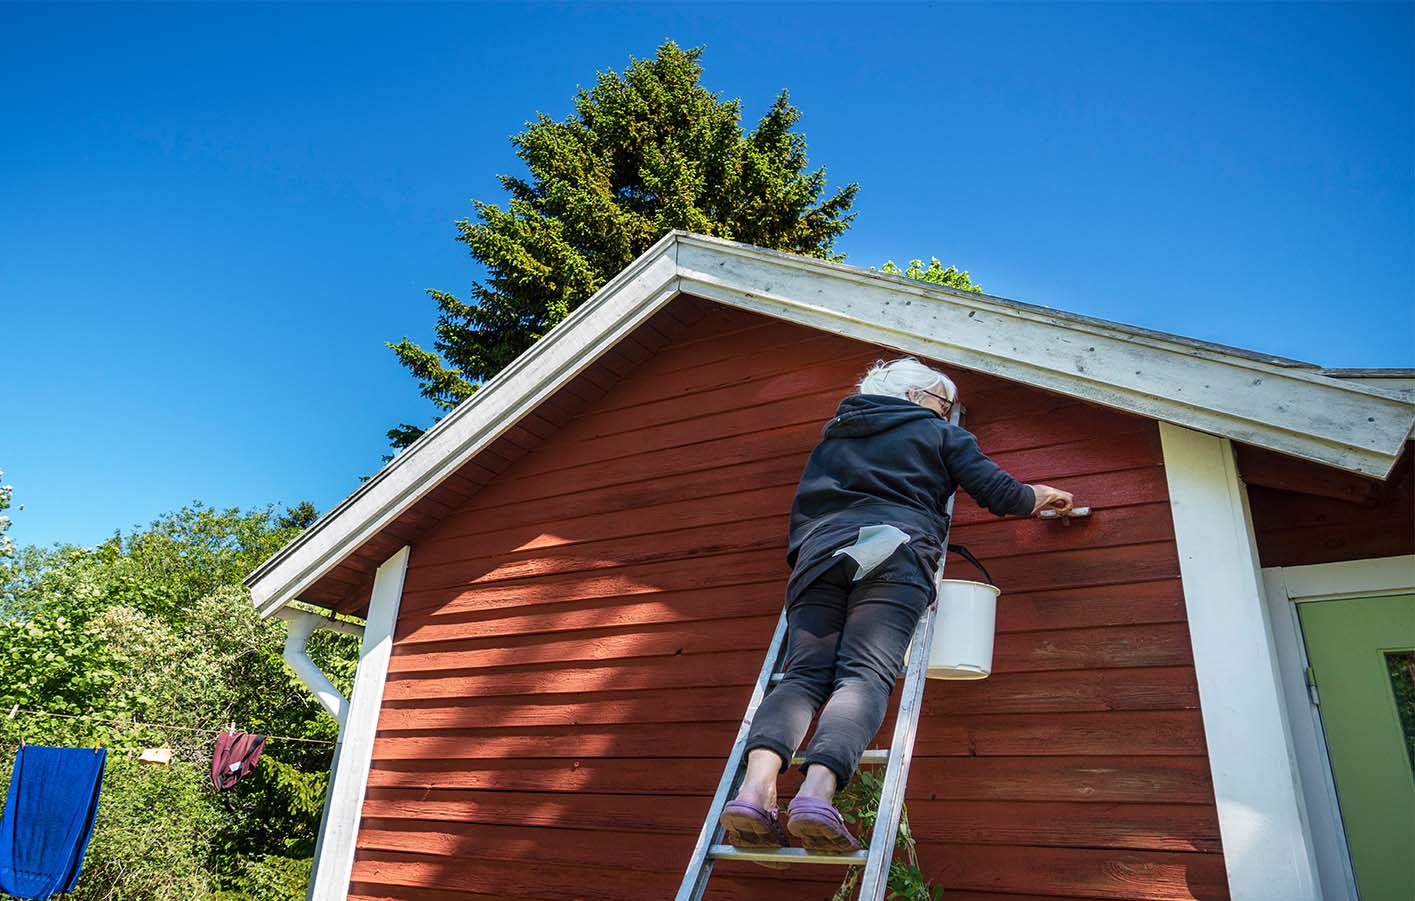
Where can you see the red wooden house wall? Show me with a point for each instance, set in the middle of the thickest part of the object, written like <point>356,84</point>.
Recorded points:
<point>577,642</point>
<point>1305,514</point>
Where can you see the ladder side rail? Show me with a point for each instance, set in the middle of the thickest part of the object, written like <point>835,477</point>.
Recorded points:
<point>695,879</point>
<point>875,880</point>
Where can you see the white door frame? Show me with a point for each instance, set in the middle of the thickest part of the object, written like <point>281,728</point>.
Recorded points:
<point>1284,588</point>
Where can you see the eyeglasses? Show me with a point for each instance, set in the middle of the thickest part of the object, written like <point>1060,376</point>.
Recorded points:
<point>947,401</point>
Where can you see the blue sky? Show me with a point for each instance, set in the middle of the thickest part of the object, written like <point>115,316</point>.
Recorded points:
<point>212,217</point>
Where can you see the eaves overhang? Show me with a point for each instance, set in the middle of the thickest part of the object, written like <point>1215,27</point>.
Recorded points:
<point>1284,405</point>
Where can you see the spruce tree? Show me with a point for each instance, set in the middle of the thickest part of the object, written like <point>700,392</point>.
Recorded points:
<point>643,153</point>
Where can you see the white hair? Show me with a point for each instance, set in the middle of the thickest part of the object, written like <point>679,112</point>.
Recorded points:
<point>897,377</point>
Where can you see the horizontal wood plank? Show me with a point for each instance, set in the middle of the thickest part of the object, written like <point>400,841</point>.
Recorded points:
<point>1147,827</point>
<point>1161,644</point>
<point>1126,603</point>
<point>1113,733</point>
<point>1157,688</point>
<point>618,642</point>
<point>679,671</point>
<point>595,775</point>
<point>553,882</point>
<point>365,891</point>
<point>528,843</point>
<point>690,606</point>
<point>1126,733</point>
<point>1088,779</point>
<point>623,582</point>
<point>1174,779</point>
<point>1099,873</point>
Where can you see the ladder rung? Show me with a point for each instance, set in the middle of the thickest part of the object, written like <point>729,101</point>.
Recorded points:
<point>874,756</point>
<point>788,855</point>
<point>776,677</point>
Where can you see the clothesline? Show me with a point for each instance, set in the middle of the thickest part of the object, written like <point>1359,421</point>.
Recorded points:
<point>135,724</point>
<point>52,807</point>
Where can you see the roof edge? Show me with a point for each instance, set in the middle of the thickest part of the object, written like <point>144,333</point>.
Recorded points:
<point>568,348</point>
<point>1256,399</point>
<point>929,288</point>
<point>1285,405</point>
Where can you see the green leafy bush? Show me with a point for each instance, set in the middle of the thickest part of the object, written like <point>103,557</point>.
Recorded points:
<point>858,803</point>
<point>154,627</point>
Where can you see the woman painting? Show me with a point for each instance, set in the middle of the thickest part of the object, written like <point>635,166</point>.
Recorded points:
<point>866,532</point>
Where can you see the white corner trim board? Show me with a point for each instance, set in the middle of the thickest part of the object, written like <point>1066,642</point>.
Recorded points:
<point>1285,588</point>
<point>1266,845</point>
<point>343,805</point>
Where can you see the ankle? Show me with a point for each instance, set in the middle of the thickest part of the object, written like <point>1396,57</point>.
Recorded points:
<point>819,784</point>
<point>762,797</point>
<point>817,793</point>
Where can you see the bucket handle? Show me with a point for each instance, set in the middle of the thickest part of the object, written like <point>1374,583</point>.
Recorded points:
<point>966,554</point>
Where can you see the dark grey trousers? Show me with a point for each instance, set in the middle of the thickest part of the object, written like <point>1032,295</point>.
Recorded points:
<point>845,647</point>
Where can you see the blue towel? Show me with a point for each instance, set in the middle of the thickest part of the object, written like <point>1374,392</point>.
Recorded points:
<point>48,819</point>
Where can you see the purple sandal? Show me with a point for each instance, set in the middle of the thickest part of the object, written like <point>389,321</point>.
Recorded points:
<point>751,827</point>
<point>819,826</point>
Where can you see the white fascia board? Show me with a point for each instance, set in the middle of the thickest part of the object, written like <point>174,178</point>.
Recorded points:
<point>1267,844</point>
<point>1398,383</point>
<point>1268,402</point>
<point>597,325</point>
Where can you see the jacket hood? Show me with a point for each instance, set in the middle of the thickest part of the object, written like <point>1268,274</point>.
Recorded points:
<point>869,414</point>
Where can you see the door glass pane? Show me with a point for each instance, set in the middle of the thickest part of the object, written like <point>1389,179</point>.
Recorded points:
<point>1401,667</point>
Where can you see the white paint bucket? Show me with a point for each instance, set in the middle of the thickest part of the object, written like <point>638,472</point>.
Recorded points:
<point>963,630</point>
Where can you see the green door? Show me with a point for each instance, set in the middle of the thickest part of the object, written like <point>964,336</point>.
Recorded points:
<point>1362,654</point>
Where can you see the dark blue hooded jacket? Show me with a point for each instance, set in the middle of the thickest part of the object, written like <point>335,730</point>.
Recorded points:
<point>888,460</point>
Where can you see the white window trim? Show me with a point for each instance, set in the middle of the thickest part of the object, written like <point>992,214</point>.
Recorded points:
<point>1267,846</point>
<point>1286,587</point>
<point>353,755</point>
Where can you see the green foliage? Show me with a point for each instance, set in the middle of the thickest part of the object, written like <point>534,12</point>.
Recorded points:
<point>858,803</point>
<point>643,153</point>
<point>155,825</point>
<point>300,516</point>
<point>270,878</point>
<point>154,627</point>
<point>1400,666</point>
<point>935,273</point>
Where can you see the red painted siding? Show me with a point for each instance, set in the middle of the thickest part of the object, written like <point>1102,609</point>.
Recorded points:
<point>1304,513</point>
<point>346,588</point>
<point>578,638</point>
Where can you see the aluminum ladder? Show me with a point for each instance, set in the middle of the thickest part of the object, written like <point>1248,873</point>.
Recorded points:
<point>876,859</point>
